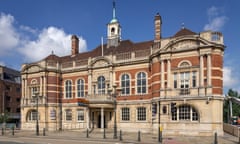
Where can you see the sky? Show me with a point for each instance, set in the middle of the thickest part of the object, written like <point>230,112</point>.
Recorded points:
<point>30,30</point>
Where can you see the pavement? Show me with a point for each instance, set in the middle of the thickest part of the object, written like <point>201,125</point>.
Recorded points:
<point>127,137</point>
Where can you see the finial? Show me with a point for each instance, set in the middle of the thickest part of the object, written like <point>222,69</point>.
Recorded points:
<point>52,52</point>
<point>114,9</point>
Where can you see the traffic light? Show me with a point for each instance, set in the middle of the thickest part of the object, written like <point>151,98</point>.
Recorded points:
<point>173,107</point>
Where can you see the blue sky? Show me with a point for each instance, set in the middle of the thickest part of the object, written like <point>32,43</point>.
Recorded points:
<point>31,29</point>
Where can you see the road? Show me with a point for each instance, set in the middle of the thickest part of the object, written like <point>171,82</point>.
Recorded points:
<point>41,140</point>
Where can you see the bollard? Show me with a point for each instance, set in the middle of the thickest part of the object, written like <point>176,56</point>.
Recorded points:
<point>160,134</point>
<point>87,133</point>
<point>139,136</point>
<point>120,135</point>
<point>215,138</point>
<point>13,131</point>
<point>104,133</point>
<point>2,131</point>
<point>44,132</point>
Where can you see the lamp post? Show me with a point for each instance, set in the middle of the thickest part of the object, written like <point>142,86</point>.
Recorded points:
<point>115,113</point>
<point>37,122</point>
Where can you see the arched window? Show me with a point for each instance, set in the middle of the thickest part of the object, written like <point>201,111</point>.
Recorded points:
<point>125,84</point>
<point>101,85</point>
<point>141,83</point>
<point>68,89</point>
<point>185,113</point>
<point>80,88</point>
<point>32,115</point>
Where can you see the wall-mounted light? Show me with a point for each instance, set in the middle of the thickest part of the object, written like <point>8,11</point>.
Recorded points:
<point>208,100</point>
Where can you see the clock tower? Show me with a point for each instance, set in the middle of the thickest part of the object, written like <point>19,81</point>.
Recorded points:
<point>113,30</point>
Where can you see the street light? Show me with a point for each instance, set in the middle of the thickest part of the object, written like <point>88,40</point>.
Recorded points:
<point>37,123</point>
<point>115,118</point>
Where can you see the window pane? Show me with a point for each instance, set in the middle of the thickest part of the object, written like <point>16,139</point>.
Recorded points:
<point>101,85</point>
<point>125,114</point>
<point>68,115</point>
<point>141,83</point>
<point>68,89</point>
<point>141,113</point>
<point>80,88</point>
<point>184,112</point>
<point>125,83</point>
<point>80,115</point>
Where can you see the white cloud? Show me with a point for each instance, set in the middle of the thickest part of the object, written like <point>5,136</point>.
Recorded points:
<point>9,38</point>
<point>50,39</point>
<point>216,21</point>
<point>230,79</point>
<point>31,44</point>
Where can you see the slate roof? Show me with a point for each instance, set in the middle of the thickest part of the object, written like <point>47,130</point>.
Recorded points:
<point>184,32</point>
<point>124,46</point>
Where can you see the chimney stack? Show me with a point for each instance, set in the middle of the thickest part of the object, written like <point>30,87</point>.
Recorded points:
<point>75,45</point>
<point>158,24</point>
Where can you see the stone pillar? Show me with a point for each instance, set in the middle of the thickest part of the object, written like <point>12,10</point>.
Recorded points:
<point>168,73</point>
<point>209,70</point>
<point>89,82</point>
<point>201,76</point>
<point>44,92</point>
<point>162,74</point>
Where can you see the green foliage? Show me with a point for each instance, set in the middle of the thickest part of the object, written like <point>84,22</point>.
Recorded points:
<point>4,117</point>
<point>235,107</point>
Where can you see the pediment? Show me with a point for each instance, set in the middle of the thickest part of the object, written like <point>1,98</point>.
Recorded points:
<point>100,63</point>
<point>185,44</point>
<point>32,68</point>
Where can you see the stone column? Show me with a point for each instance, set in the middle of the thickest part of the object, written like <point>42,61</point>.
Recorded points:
<point>168,73</point>
<point>162,74</point>
<point>201,76</point>
<point>89,82</point>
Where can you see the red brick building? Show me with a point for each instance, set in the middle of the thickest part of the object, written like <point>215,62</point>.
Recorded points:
<point>174,82</point>
<point>10,91</point>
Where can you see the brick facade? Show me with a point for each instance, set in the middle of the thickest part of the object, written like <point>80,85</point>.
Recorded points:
<point>143,78</point>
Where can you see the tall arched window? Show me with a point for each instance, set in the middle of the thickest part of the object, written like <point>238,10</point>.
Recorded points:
<point>125,84</point>
<point>68,89</point>
<point>80,88</point>
<point>141,83</point>
<point>101,85</point>
<point>32,115</point>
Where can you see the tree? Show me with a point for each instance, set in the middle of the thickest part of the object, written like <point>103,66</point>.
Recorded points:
<point>235,107</point>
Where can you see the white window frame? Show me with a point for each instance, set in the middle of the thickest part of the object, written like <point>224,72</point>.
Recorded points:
<point>101,85</point>
<point>125,114</point>
<point>141,114</point>
<point>125,79</point>
<point>68,89</point>
<point>68,115</point>
<point>80,88</point>
<point>185,113</point>
<point>32,115</point>
<point>80,115</point>
<point>143,83</point>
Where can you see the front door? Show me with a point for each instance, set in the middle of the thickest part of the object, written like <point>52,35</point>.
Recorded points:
<point>100,121</point>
